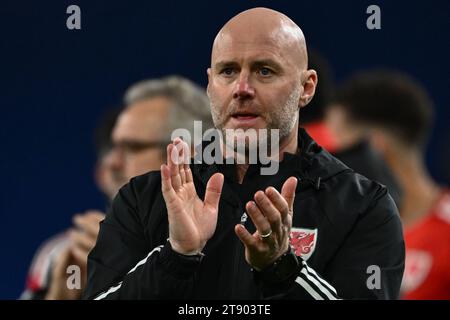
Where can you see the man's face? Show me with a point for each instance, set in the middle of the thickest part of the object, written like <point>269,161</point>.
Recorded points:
<point>109,180</point>
<point>139,137</point>
<point>254,82</point>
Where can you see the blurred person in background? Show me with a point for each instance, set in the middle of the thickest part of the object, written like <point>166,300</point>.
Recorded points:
<point>396,112</point>
<point>47,276</point>
<point>107,177</point>
<point>357,153</point>
<point>155,108</point>
<point>129,144</point>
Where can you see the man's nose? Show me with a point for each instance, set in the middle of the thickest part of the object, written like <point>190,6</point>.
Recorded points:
<point>244,89</point>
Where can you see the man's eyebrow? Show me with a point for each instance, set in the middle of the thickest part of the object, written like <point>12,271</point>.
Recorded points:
<point>267,63</point>
<point>255,64</point>
<point>139,143</point>
<point>225,64</point>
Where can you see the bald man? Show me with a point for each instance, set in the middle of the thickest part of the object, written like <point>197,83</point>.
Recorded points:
<point>314,229</point>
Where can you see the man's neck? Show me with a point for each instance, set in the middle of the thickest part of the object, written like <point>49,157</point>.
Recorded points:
<point>419,191</point>
<point>288,144</point>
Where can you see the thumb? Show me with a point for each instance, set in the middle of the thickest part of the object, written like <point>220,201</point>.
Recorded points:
<point>213,191</point>
<point>62,261</point>
<point>288,191</point>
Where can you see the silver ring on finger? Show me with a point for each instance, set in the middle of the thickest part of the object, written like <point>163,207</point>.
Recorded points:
<point>266,235</point>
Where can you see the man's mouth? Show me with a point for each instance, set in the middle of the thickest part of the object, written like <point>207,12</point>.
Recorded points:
<point>244,119</point>
<point>244,116</point>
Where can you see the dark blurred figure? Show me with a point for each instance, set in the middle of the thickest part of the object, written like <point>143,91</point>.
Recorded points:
<point>128,144</point>
<point>397,113</point>
<point>47,276</point>
<point>356,153</point>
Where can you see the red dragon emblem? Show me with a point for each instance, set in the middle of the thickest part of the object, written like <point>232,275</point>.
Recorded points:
<point>303,242</point>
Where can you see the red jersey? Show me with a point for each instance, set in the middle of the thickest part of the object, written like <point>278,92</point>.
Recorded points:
<point>427,264</point>
<point>322,135</point>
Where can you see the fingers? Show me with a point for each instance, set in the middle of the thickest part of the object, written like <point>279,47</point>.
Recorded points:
<point>278,201</point>
<point>272,208</point>
<point>178,161</point>
<point>89,222</point>
<point>288,192</point>
<point>166,185</point>
<point>82,240</point>
<point>186,167</point>
<point>213,191</point>
<point>80,255</point>
<point>173,160</point>
<point>95,214</point>
<point>268,210</point>
<point>80,246</point>
<point>177,171</point>
<point>182,174</point>
<point>259,220</point>
<point>182,159</point>
<point>63,260</point>
<point>247,239</point>
<point>188,172</point>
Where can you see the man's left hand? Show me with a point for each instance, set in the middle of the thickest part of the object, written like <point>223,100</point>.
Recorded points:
<point>271,213</point>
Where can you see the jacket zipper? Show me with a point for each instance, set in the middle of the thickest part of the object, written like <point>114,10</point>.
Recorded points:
<point>237,254</point>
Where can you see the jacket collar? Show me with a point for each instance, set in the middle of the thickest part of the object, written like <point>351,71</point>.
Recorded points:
<point>312,166</point>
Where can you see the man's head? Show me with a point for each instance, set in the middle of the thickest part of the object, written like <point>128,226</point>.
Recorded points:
<point>391,106</point>
<point>258,76</point>
<point>154,108</point>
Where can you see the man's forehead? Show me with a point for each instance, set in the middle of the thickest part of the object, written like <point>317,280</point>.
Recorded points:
<point>254,50</point>
<point>143,119</point>
<point>228,39</point>
<point>275,36</point>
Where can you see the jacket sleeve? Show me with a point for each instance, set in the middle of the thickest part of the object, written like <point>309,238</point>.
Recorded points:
<point>121,266</point>
<point>368,265</point>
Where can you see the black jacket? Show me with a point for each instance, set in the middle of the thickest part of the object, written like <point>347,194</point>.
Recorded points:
<point>351,223</point>
<point>362,158</point>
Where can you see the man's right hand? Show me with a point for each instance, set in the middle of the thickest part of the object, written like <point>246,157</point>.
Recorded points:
<point>192,222</point>
<point>82,238</point>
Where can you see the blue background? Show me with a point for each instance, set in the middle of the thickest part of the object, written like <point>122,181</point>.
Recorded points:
<point>55,83</point>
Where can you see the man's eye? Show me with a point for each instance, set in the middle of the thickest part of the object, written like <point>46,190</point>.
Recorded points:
<point>227,71</point>
<point>265,72</point>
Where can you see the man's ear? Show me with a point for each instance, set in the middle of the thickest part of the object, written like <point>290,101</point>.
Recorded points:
<point>208,72</point>
<point>309,87</point>
<point>378,140</point>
